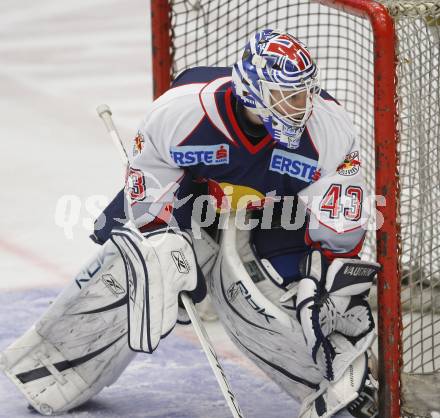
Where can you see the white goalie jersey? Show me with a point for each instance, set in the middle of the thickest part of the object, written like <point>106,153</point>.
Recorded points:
<point>193,135</point>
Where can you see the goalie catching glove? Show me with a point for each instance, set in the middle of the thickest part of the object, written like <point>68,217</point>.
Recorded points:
<point>158,265</point>
<point>332,300</point>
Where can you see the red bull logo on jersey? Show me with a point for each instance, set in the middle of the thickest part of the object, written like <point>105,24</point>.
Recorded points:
<point>138,144</point>
<point>294,165</point>
<point>188,155</point>
<point>235,196</point>
<point>351,164</point>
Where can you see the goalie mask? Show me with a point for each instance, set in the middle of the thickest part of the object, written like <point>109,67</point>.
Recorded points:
<point>277,79</point>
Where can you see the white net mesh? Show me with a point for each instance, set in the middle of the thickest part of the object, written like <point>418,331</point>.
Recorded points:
<point>212,32</point>
<point>419,129</point>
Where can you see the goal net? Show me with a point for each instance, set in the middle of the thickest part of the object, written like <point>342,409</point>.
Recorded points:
<point>407,158</point>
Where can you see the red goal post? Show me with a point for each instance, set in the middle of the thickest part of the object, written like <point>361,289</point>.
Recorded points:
<point>161,46</point>
<point>386,137</point>
<point>364,37</point>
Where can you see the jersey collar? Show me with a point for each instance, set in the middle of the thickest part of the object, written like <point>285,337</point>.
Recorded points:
<point>252,148</point>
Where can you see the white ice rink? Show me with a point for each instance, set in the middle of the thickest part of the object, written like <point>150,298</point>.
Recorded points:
<point>58,61</point>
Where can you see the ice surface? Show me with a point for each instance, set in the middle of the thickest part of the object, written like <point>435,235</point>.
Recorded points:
<point>59,60</point>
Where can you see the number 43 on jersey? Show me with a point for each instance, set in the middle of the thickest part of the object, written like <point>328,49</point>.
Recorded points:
<point>348,204</point>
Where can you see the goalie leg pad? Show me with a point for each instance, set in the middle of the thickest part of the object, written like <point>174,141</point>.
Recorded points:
<point>79,345</point>
<point>334,396</point>
<point>260,319</point>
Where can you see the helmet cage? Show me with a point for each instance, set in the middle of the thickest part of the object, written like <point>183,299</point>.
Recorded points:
<point>291,114</point>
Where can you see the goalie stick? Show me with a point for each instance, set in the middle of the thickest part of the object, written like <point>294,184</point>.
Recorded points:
<point>105,114</point>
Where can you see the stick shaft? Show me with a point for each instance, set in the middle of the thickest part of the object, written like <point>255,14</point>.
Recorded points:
<point>105,114</point>
<point>211,356</point>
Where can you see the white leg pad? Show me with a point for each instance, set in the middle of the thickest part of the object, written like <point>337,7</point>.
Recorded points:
<point>334,396</point>
<point>79,346</point>
<point>43,375</point>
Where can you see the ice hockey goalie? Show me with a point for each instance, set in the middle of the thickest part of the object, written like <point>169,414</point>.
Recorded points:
<point>245,183</point>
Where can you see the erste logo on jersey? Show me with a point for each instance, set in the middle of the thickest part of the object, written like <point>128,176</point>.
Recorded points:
<point>286,45</point>
<point>351,164</point>
<point>294,165</point>
<point>188,155</point>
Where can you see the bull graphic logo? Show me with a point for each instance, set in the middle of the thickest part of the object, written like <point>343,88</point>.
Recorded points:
<point>180,262</point>
<point>287,45</point>
<point>351,164</point>
<point>138,144</point>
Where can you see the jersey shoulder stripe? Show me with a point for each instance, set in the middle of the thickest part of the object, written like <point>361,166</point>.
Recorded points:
<point>327,96</point>
<point>208,101</point>
<point>200,75</point>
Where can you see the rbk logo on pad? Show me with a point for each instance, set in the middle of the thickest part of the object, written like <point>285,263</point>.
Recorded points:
<point>180,262</point>
<point>188,155</point>
<point>112,284</point>
<point>294,165</point>
<point>232,292</point>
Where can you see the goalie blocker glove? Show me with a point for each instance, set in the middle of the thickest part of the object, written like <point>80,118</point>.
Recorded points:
<point>333,299</point>
<point>158,265</point>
